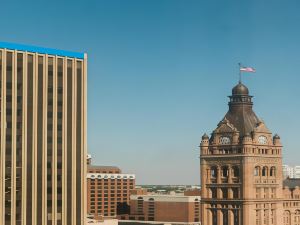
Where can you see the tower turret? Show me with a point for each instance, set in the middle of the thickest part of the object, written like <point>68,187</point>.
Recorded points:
<point>241,167</point>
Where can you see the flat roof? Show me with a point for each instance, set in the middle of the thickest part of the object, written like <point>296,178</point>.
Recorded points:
<point>166,198</point>
<point>102,167</point>
<point>49,51</point>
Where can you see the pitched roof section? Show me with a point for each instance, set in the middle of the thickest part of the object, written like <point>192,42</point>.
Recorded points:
<point>291,182</point>
<point>41,50</point>
<point>240,114</point>
<point>243,119</point>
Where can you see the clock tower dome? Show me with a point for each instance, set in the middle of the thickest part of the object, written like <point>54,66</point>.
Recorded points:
<point>241,168</point>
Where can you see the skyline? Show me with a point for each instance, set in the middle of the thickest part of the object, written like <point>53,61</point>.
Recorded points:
<point>160,73</point>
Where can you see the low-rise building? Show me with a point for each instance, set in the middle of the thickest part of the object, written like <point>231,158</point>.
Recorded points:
<point>164,208</point>
<point>102,222</point>
<point>108,191</point>
<point>291,201</point>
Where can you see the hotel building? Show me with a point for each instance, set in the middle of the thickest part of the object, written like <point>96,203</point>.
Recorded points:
<point>42,136</point>
<point>108,191</point>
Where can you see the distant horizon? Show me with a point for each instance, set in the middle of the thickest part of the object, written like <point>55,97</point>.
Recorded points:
<point>159,73</point>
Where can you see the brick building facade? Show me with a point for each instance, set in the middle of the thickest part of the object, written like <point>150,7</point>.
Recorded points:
<point>164,208</point>
<point>241,171</point>
<point>108,191</point>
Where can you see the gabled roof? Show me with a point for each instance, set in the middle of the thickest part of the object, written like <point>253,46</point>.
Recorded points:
<point>243,119</point>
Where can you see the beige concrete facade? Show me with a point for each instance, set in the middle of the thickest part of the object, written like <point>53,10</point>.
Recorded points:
<point>43,136</point>
<point>241,171</point>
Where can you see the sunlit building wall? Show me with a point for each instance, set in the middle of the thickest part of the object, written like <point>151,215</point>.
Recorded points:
<point>43,136</point>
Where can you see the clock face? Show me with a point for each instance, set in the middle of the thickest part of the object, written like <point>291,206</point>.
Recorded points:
<point>262,140</point>
<point>224,140</point>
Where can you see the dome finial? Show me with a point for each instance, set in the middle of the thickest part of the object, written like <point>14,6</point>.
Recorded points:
<point>240,89</point>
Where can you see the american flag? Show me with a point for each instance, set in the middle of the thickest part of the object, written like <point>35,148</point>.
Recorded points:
<point>247,69</point>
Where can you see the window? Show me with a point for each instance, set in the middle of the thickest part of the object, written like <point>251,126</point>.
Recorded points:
<point>213,172</point>
<point>265,171</point>
<point>236,172</point>
<point>257,171</point>
<point>225,171</point>
<point>224,193</point>
<point>286,217</point>
<point>213,192</point>
<point>297,217</point>
<point>273,171</point>
<point>235,192</point>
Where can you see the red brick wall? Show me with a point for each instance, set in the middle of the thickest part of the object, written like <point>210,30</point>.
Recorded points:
<point>166,211</point>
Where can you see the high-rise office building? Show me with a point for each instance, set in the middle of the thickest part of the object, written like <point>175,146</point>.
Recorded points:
<point>43,136</point>
<point>288,171</point>
<point>291,171</point>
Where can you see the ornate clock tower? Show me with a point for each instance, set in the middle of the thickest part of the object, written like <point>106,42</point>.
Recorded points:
<point>241,168</point>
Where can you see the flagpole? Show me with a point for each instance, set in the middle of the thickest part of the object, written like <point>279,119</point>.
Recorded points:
<point>240,73</point>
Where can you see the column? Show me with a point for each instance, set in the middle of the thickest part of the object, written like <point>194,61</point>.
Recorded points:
<point>219,216</point>
<point>24,142</point>
<point>3,139</point>
<point>54,145</point>
<point>45,140</point>
<point>74,128</point>
<point>64,146</point>
<point>219,175</point>
<point>229,174</point>
<point>230,217</point>
<point>14,140</point>
<point>34,140</point>
<point>209,215</point>
<point>84,137</point>
<point>230,193</point>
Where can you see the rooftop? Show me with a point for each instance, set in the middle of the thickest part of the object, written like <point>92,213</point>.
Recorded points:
<point>291,182</point>
<point>103,167</point>
<point>166,198</point>
<point>41,50</point>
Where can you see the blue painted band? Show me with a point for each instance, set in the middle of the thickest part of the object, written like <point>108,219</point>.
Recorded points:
<point>41,50</point>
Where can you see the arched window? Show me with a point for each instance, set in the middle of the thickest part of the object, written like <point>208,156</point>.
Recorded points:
<point>225,171</point>
<point>286,217</point>
<point>264,171</point>
<point>236,171</point>
<point>214,172</point>
<point>224,193</point>
<point>257,171</point>
<point>297,217</point>
<point>235,193</point>
<point>273,171</point>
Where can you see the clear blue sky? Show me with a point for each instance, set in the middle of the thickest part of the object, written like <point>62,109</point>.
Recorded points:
<point>160,72</point>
